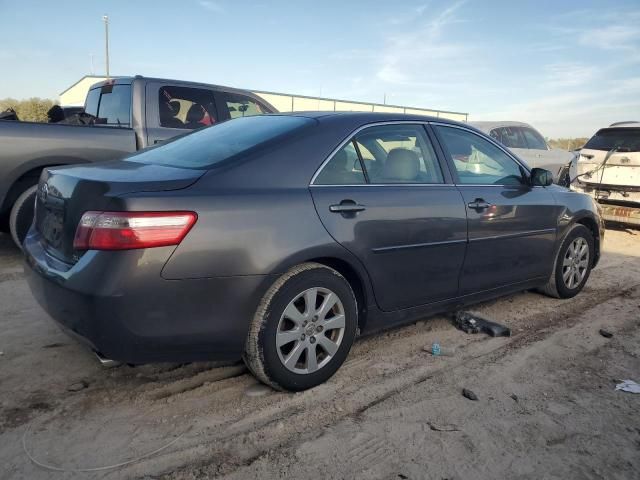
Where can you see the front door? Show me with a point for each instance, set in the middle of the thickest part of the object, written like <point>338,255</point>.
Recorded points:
<point>512,225</point>
<point>385,198</point>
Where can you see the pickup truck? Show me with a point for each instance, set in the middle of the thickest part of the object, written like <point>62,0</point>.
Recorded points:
<point>120,116</point>
<point>608,169</point>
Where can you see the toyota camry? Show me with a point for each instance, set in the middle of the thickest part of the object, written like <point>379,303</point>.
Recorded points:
<point>278,239</point>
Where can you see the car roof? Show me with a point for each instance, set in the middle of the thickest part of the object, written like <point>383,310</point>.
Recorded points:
<point>370,117</point>
<point>130,80</point>
<point>490,125</point>
<point>629,124</point>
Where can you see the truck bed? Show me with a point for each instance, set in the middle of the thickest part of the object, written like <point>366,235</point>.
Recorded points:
<point>25,146</point>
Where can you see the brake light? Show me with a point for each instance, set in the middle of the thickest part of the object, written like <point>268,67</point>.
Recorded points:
<point>131,230</point>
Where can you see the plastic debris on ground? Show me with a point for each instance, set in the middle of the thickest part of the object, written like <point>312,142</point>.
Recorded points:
<point>628,386</point>
<point>605,333</point>
<point>469,394</point>
<point>473,323</point>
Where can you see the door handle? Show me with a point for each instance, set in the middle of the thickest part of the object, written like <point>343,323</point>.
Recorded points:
<point>478,204</point>
<point>347,206</point>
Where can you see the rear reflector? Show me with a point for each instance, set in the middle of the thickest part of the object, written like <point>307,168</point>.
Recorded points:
<point>131,230</point>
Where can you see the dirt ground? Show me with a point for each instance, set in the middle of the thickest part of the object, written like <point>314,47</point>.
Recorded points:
<point>546,404</point>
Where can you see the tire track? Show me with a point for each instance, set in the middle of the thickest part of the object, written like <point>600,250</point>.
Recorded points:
<point>365,397</point>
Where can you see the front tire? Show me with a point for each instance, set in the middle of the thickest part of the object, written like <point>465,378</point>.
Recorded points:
<point>303,328</point>
<point>21,215</point>
<point>573,264</point>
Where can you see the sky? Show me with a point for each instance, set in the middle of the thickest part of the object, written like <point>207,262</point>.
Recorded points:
<point>567,67</point>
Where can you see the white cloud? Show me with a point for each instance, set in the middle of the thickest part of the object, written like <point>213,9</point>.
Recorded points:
<point>211,6</point>
<point>611,37</point>
<point>410,57</point>
<point>568,74</point>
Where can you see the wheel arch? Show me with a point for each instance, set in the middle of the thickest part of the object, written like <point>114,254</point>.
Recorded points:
<point>344,262</point>
<point>592,225</point>
<point>354,278</point>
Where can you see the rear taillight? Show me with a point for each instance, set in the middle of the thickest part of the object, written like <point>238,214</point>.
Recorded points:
<point>131,230</point>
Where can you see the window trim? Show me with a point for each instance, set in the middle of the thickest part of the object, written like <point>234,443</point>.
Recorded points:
<point>444,168</point>
<point>454,172</point>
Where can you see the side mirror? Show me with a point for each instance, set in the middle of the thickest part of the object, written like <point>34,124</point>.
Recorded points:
<point>541,177</point>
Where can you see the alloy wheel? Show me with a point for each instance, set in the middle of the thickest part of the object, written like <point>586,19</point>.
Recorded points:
<point>310,330</point>
<point>575,263</point>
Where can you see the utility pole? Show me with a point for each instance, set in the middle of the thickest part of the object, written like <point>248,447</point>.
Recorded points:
<point>105,18</point>
<point>92,67</point>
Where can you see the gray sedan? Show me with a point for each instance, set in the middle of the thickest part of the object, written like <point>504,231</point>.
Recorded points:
<point>278,238</point>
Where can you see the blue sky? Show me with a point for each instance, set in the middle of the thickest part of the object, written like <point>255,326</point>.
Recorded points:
<point>567,67</point>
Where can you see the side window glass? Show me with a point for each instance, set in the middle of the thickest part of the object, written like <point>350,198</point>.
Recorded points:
<point>478,161</point>
<point>114,107</point>
<point>496,135</point>
<point>91,103</point>
<point>241,105</point>
<point>185,107</point>
<point>533,139</point>
<point>343,168</point>
<point>400,154</point>
<point>368,158</point>
<point>510,137</point>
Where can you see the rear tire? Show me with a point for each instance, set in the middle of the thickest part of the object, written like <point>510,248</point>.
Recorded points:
<point>572,265</point>
<point>303,328</point>
<point>21,215</point>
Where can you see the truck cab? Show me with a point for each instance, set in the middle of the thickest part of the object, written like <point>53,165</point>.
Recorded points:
<point>120,116</point>
<point>159,109</point>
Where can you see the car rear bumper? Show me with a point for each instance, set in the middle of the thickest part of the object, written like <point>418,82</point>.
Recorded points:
<point>119,306</point>
<point>621,214</point>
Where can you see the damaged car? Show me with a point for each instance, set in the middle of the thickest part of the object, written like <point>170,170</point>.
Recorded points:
<point>278,239</point>
<point>608,169</point>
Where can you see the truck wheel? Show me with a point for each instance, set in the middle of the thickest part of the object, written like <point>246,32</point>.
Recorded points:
<point>21,215</point>
<point>572,265</point>
<point>303,328</point>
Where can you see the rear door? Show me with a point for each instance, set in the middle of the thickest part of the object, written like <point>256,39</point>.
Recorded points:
<point>176,109</point>
<point>385,197</point>
<point>512,225</point>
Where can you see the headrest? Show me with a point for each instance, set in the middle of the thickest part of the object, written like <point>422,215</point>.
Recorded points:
<point>175,107</point>
<point>401,164</point>
<point>195,113</point>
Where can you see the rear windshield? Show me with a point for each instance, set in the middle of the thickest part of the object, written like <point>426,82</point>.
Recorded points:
<point>622,139</point>
<point>209,146</point>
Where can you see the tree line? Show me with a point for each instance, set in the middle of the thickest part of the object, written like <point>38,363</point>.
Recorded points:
<point>29,110</point>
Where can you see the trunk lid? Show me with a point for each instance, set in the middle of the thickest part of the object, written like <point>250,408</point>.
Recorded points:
<point>65,194</point>
<point>622,169</point>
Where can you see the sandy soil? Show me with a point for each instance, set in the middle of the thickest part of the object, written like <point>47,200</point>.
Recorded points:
<point>547,407</point>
